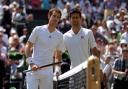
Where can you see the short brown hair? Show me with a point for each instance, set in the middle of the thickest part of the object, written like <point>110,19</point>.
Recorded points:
<point>56,10</point>
<point>75,10</point>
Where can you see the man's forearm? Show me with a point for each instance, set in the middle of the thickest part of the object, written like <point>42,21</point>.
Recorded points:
<point>28,50</point>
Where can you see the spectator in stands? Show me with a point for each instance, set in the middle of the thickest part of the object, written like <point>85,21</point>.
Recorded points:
<point>19,19</point>
<point>100,46</point>
<point>4,36</point>
<point>97,34</point>
<point>2,73</point>
<point>86,9</point>
<point>1,12</point>
<point>97,11</point>
<point>102,29</point>
<point>53,3</point>
<point>45,4</point>
<point>84,21</point>
<point>23,38</point>
<point>123,43</point>
<point>36,4</point>
<point>3,63</point>
<point>60,4</point>
<point>3,46</point>
<point>107,71</point>
<point>120,71</point>
<point>111,51</point>
<point>66,10</point>
<point>125,34</point>
<point>64,25</point>
<point>15,43</point>
<point>108,8</point>
<point>79,41</point>
<point>6,21</point>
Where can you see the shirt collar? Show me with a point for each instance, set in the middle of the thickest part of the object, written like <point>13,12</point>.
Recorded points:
<point>72,33</point>
<point>48,30</point>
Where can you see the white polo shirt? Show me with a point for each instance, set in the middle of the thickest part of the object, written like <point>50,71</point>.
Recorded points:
<point>78,45</point>
<point>45,43</point>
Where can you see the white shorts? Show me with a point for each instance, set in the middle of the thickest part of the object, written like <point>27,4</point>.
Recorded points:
<point>42,79</point>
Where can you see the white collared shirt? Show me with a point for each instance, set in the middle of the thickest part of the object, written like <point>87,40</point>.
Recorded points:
<point>79,45</point>
<point>45,43</point>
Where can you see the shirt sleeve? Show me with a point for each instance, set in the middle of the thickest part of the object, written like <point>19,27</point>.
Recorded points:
<point>61,45</point>
<point>91,40</point>
<point>33,36</point>
<point>115,65</point>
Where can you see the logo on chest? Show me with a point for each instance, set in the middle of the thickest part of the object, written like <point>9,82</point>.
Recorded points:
<point>82,37</point>
<point>50,36</point>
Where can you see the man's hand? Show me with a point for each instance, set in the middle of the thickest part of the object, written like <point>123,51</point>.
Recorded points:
<point>34,67</point>
<point>57,71</point>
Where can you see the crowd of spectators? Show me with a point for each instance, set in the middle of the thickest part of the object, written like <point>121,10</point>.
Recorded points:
<point>108,19</point>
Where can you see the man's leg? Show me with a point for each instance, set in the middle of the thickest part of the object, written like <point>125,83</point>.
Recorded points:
<point>32,82</point>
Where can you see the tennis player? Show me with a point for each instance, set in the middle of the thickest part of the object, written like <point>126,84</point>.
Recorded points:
<point>79,41</point>
<point>44,42</point>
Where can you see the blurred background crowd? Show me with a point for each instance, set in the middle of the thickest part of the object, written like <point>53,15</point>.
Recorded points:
<point>108,19</point>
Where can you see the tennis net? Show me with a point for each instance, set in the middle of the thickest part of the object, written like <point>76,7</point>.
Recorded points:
<point>73,79</point>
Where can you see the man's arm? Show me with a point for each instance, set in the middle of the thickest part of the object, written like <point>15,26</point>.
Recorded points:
<point>28,49</point>
<point>57,58</point>
<point>28,52</point>
<point>118,72</point>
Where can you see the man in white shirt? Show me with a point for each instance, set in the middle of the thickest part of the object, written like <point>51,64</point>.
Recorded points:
<point>79,41</point>
<point>46,42</point>
<point>125,34</point>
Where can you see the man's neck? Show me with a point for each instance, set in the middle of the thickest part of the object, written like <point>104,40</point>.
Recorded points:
<point>75,29</point>
<point>51,28</point>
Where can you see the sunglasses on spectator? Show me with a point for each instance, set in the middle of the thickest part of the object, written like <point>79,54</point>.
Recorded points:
<point>124,45</point>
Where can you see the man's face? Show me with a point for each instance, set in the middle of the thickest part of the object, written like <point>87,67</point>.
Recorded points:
<point>54,18</point>
<point>75,19</point>
<point>125,54</point>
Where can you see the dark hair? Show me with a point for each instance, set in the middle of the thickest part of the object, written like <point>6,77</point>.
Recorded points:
<point>75,10</point>
<point>56,10</point>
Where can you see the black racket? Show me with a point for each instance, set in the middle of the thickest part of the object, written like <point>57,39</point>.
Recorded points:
<point>47,65</point>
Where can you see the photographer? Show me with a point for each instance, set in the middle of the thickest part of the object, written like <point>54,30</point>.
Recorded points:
<point>120,71</point>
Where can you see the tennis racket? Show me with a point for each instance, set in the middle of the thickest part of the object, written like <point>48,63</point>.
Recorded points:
<point>47,65</point>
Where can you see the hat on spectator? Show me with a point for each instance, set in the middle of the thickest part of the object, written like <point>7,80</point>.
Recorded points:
<point>123,10</point>
<point>13,31</point>
<point>6,7</point>
<point>2,29</point>
<point>113,32</point>
<point>123,41</point>
<point>14,4</point>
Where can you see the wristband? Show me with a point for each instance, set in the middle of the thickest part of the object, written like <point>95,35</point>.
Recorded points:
<point>57,69</point>
<point>30,60</point>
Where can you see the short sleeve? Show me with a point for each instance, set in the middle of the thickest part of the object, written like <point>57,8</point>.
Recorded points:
<point>92,42</point>
<point>33,36</point>
<point>61,45</point>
